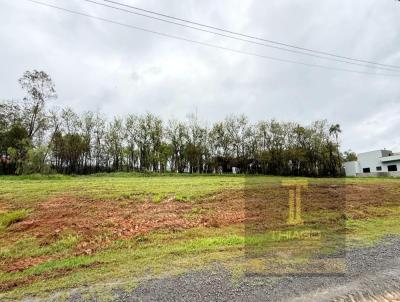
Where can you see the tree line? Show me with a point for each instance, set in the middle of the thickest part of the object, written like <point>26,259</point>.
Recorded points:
<point>37,139</point>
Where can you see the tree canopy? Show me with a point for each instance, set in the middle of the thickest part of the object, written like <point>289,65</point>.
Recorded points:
<point>34,138</point>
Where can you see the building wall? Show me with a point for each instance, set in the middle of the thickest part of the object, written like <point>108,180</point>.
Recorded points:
<point>395,174</point>
<point>378,174</point>
<point>393,159</point>
<point>386,153</point>
<point>371,160</point>
<point>373,174</point>
<point>351,168</point>
<point>397,163</point>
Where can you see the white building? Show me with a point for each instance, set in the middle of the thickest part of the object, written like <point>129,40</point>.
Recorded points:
<point>374,163</point>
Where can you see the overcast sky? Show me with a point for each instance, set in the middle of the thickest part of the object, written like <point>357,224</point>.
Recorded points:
<point>116,70</point>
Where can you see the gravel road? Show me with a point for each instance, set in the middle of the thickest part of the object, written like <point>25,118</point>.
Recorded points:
<point>373,274</point>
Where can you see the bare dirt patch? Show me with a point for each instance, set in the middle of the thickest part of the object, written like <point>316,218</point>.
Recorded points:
<point>24,263</point>
<point>98,223</point>
<point>121,219</point>
<point>129,218</point>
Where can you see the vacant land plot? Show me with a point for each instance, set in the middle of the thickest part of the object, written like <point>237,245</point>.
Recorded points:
<point>113,231</point>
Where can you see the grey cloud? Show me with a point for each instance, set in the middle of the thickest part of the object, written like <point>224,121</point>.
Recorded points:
<point>99,66</point>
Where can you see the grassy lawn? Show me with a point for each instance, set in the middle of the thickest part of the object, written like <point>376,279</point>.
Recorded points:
<point>31,189</point>
<point>115,230</point>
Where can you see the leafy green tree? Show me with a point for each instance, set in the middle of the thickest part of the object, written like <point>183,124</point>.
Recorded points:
<point>349,156</point>
<point>36,139</point>
<point>39,89</point>
<point>35,161</point>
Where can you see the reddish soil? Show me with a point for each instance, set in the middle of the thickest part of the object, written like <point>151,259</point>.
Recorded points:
<point>98,223</point>
<point>24,263</point>
<point>89,218</point>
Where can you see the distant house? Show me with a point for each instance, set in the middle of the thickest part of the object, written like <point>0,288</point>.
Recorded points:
<point>374,163</point>
<point>235,170</point>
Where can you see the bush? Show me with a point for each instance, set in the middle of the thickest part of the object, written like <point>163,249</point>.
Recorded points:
<point>8,218</point>
<point>35,162</point>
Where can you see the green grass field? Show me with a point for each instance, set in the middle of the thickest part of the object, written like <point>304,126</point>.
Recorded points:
<point>116,230</point>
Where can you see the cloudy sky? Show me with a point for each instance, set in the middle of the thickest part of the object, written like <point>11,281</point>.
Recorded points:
<point>113,69</point>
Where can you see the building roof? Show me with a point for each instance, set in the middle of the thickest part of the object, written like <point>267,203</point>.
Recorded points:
<point>393,157</point>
